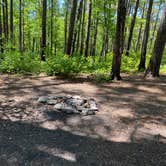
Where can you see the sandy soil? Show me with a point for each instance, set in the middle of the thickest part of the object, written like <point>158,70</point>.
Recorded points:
<point>129,129</point>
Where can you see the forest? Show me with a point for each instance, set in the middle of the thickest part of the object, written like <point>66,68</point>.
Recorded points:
<point>83,36</point>
<point>82,83</point>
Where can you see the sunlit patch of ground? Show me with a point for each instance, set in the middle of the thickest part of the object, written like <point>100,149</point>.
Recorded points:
<point>131,119</point>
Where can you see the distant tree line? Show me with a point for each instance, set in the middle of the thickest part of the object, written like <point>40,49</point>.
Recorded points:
<point>86,28</point>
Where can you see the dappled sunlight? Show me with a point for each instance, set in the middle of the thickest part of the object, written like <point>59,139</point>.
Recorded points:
<point>156,128</point>
<point>161,98</point>
<point>126,112</point>
<point>129,117</point>
<point>57,153</point>
<point>155,90</point>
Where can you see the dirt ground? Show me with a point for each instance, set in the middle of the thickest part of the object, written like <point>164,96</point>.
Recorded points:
<point>128,130</point>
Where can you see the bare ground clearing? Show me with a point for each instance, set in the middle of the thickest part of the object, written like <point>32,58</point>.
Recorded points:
<point>129,129</point>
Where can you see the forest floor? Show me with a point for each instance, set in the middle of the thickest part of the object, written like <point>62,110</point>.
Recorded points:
<point>128,130</point>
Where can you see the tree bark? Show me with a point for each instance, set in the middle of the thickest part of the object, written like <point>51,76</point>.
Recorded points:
<point>132,28</point>
<point>77,27</point>
<point>11,21</point>
<point>20,28</point>
<point>145,39</point>
<point>43,38</point>
<point>66,24</point>
<point>155,25</point>
<point>118,42</point>
<point>83,29</point>
<point>155,60</point>
<point>95,36</point>
<point>104,49</point>
<point>5,19</point>
<point>52,25</point>
<point>88,29</point>
<point>140,30</point>
<point>71,27</point>
<point>1,39</point>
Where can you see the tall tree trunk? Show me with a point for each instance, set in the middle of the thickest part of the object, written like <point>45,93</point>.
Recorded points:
<point>119,35</point>
<point>88,29</point>
<point>155,60</point>
<point>11,21</point>
<point>52,25</point>
<point>71,27</point>
<point>79,14</point>
<point>5,19</point>
<point>132,28</point>
<point>83,29</point>
<point>7,24</point>
<point>78,26</point>
<point>1,39</point>
<point>104,49</point>
<point>23,25</point>
<point>43,38</point>
<point>20,28</point>
<point>156,21</point>
<point>66,24</point>
<point>145,39</point>
<point>95,37</point>
<point>140,30</point>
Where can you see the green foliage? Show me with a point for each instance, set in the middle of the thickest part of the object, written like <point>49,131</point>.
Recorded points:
<point>102,78</point>
<point>14,62</point>
<point>64,65</point>
<point>60,64</point>
<point>130,63</point>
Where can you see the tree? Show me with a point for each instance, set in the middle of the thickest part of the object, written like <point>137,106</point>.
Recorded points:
<point>145,39</point>
<point>77,27</point>
<point>52,25</point>
<point>95,36</point>
<point>88,29</point>
<point>82,29</point>
<point>1,40</point>
<point>119,38</point>
<point>20,28</point>
<point>5,18</point>
<point>43,38</point>
<point>132,27</point>
<point>11,21</point>
<point>66,24</point>
<point>140,30</point>
<point>71,27</point>
<point>155,60</point>
<point>156,21</point>
<point>104,49</point>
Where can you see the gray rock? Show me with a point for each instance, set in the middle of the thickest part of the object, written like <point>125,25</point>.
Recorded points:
<point>79,108</point>
<point>69,109</point>
<point>52,102</point>
<point>93,105</point>
<point>77,97</point>
<point>75,102</point>
<point>43,99</point>
<point>87,112</point>
<point>58,106</point>
<point>53,97</point>
<point>71,104</point>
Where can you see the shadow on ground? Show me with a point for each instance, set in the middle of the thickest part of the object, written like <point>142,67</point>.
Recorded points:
<point>27,144</point>
<point>126,132</point>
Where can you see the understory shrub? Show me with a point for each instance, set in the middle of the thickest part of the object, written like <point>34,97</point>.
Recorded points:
<point>14,62</point>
